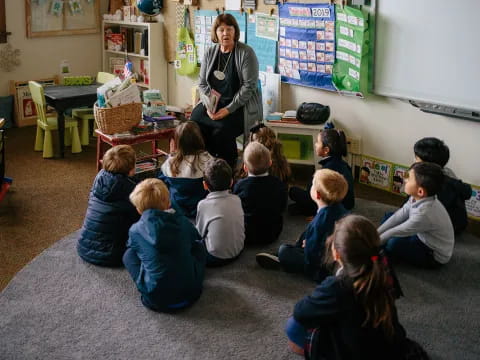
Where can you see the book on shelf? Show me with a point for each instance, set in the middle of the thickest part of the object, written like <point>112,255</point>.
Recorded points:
<point>115,42</point>
<point>144,71</point>
<point>137,41</point>
<point>144,43</point>
<point>116,65</point>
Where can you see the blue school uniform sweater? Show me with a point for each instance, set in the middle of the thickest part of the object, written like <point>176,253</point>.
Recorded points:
<point>336,163</point>
<point>337,315</point>
<point>109,216</point>
<point>264,199</point>
<point>172,257</point>
<point>316,235</point>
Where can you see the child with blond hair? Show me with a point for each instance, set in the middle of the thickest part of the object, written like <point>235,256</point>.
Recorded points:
<point>327,191</point>
<point>165,255</point>
<point>264,196</point>
<point>109,214</point>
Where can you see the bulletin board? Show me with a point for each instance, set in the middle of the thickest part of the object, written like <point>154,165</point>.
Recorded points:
<point>61,17</point>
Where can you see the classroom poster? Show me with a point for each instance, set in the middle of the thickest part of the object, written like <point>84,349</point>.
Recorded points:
<point>271,92</point>
<point>265,47</point>
<point>350,69</point>
<point>473,204</point>
<point>398,179</point>
<point>376,173</point>
<point>307,44</point>
<point>204,20</point>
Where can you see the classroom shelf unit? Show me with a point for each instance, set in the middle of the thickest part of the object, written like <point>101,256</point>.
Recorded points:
<point>151,66</point>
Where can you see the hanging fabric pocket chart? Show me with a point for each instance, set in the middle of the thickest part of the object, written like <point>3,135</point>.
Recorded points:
<point>307,44</point>
<point>350,73</point>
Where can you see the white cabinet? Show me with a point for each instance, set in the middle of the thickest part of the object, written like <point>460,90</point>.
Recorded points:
<point>154,62</point>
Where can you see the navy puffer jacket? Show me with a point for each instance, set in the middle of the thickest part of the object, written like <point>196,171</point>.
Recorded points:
<point>107,221</point>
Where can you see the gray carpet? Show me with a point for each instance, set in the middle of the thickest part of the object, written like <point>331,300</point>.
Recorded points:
<point>59,307</point>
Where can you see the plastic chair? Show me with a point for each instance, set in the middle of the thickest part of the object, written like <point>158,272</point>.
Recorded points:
<point>45,125</point>
<point>86,114</point>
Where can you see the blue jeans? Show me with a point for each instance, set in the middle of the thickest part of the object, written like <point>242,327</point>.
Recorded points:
<point>296,333</point>
<point>410,249</point>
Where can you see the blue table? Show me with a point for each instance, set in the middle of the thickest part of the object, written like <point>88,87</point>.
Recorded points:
<point>63,97</point>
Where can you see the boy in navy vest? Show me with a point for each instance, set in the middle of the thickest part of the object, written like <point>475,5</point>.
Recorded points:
<point>306,256</point>
<point>264,197</point>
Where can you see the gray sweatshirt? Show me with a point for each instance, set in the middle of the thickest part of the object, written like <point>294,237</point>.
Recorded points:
<point>426,218</point>
<point>220,224</point>
<point>248,96</point>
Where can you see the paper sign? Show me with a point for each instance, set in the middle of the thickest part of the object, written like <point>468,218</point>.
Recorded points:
<point>398,179</point>
<point>473,204</point>
<point>375,172</point>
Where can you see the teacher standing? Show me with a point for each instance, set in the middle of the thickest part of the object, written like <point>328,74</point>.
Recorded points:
<point>231,68</point>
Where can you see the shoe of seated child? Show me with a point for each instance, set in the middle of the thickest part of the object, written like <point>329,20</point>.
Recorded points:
<point>268,261</point>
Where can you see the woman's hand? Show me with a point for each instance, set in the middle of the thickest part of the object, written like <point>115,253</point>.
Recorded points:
<point>220,114</point>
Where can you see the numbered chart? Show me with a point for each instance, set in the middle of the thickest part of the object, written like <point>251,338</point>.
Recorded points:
<point>307,44</point>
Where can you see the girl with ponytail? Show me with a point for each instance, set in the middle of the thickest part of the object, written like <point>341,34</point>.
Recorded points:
<point>351,315</point>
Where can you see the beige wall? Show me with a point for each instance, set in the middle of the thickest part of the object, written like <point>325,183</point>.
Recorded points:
<point>388,128</point>
<point>41,57</point>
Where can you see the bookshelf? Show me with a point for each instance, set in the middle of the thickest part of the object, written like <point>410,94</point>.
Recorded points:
<point>130,40</point>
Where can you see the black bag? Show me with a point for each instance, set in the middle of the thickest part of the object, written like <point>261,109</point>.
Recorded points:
<point>313,113</point>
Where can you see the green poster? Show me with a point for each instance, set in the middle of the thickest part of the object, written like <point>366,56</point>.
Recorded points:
<point>350,71</point>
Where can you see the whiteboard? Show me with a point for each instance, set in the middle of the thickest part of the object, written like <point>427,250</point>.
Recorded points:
<point>428,50</point>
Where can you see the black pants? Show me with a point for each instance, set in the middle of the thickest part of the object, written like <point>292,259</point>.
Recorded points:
<point>220,135</point>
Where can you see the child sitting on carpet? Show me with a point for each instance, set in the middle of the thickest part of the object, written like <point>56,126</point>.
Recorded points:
<point>351,314</point>
<point>220,216</point>
<point>420,232</point>
<point>182,172</point>
<point>165,255</point>
<point>266,136</point>
<point>109,214</point>
<point>264,197</point>
<point>331,145</point>
<point>306,256</point>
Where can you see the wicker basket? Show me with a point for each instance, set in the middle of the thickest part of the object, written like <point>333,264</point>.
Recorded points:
<point>119,118</point>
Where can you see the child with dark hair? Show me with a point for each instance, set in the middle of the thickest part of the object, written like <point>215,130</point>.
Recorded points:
<point>454,192</point>
<point>266,136</point>
<point>165,255</point>
<point>110,214</point>
<point>332,146</point>
<point>351,315</point>
<point>183,170</point>
<point>420,232</point>
<point>220,216</point>
<point>264,197</point>
<point>305,257</point>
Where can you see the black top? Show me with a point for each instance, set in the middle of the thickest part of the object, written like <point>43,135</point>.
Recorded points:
<point>334,311</point>
<point>264,199</point>
<point>231,84</point>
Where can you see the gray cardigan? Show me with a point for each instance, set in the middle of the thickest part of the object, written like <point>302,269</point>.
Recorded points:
<point>249,95</point>
<point>426,218</point>
<point>220,224</point>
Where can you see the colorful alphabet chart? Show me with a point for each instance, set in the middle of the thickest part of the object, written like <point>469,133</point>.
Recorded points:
<point>351,57</point>
<point>307,44</point>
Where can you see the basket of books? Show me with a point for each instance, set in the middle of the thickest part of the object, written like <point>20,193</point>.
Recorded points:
<point>118,118</point>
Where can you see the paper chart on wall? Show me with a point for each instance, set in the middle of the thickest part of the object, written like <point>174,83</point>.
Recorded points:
<point>265,48</point>
<point>204,20</point>
<point>473,204</point>
<point>351,66</point>
<point>376,173</point>
<point>398,179</point>
<point>307,44</point>
<point>271,92</point>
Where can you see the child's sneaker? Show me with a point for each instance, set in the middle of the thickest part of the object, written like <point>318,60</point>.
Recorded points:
<point>268,261</point>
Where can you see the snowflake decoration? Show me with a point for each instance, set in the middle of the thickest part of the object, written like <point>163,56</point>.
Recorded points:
<point>9,58</point>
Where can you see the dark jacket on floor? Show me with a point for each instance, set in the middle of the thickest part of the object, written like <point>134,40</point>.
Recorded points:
<point>453,194</point>
<point>172,257</point>
<point>316,235</point>
<point>337,316</point>
<point>264,199</point>
<point>109,216</point>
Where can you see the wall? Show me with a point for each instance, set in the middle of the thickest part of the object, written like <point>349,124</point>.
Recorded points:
<point>388,128</point>
<point>41,57</point>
